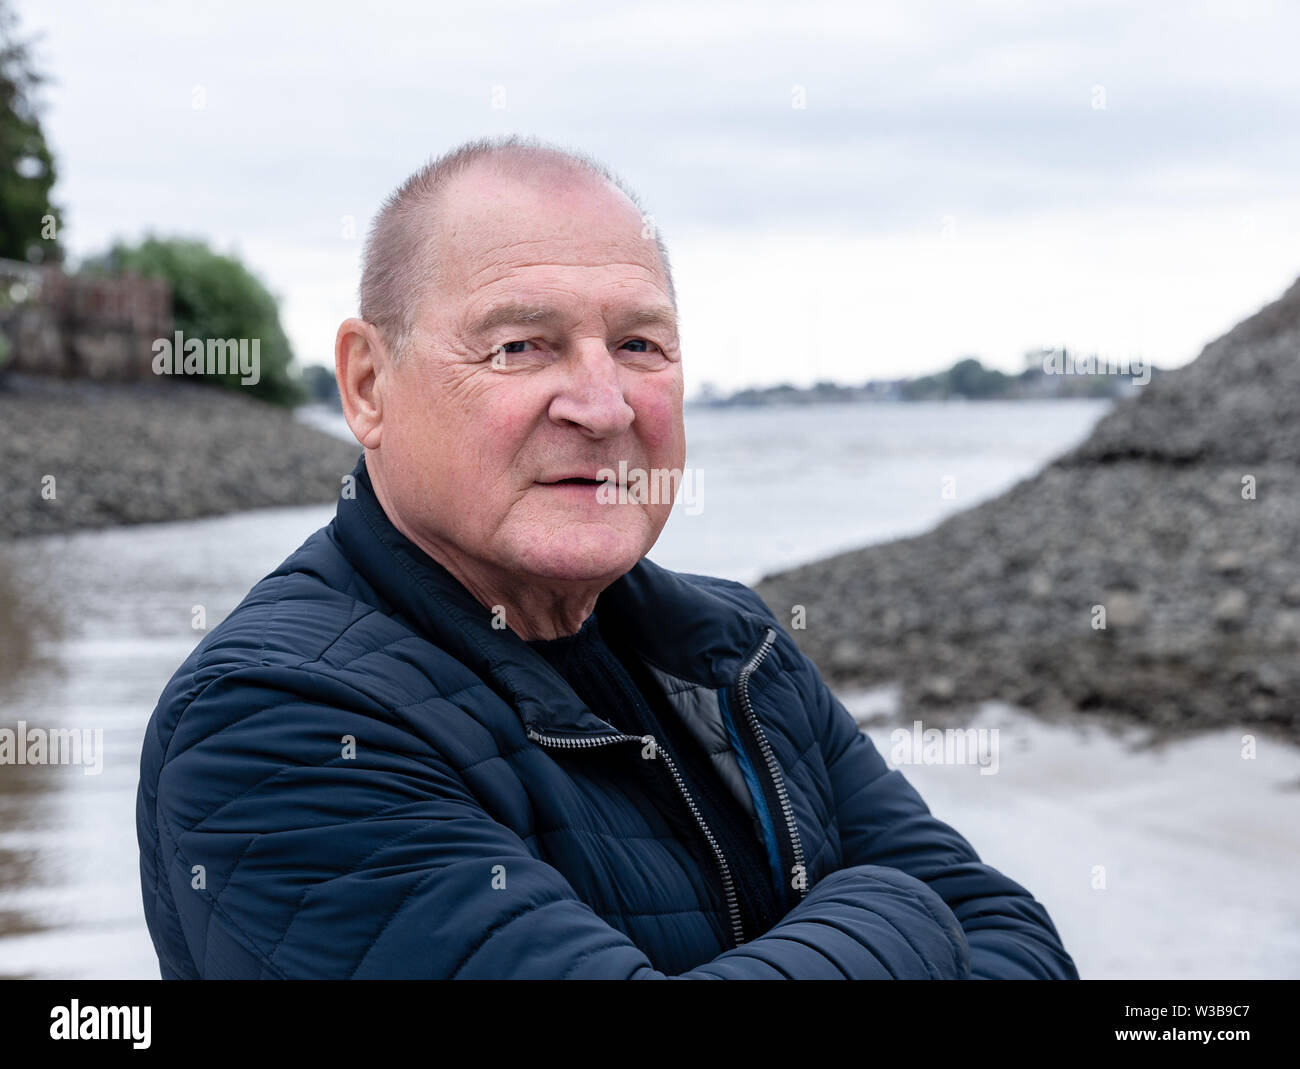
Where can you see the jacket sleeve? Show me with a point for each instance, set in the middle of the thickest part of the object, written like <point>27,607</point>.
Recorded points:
<point>286,859</point>
<point>883,821</point>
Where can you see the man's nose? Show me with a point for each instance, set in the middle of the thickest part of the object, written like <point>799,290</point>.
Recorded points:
<point>591,396</point>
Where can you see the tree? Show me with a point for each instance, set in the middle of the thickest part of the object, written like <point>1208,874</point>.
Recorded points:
<point>969,378</point>
<point>214,296</point>
<point>28,220</point>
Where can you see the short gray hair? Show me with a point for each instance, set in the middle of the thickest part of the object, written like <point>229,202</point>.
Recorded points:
<point>399,263</point>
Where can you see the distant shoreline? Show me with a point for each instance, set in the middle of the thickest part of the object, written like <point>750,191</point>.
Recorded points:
<point>1061,377</point>
<point>883,402</point>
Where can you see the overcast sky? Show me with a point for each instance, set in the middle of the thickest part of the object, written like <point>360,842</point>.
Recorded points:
<point>848,191</point>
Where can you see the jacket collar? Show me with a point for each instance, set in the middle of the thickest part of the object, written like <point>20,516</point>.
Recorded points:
<point>674,624</point>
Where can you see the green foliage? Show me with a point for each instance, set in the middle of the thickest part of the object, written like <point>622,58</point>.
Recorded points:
<point>967,378</point>
<point>214,296</point>
<point>27,173</point>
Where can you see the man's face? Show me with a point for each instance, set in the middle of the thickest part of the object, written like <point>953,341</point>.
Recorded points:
<point>489,411</point>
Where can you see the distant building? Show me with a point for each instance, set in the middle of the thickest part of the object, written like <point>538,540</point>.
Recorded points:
<point>80,326</point>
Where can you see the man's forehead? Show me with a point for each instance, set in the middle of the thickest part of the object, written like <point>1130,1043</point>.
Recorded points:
<point>537,283</point>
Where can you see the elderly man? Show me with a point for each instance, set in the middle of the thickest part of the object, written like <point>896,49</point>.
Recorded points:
<point>469,730</point>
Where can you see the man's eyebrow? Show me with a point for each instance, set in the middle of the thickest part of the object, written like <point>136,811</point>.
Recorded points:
<point>509,314</point>
<point>516,312</point>
<point>656,316</point>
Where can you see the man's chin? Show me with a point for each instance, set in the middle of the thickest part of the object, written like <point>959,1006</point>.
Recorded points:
<point>583,556</point>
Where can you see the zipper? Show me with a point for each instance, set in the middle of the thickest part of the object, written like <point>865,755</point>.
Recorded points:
<point>798,872</point>
<point>728,886</point>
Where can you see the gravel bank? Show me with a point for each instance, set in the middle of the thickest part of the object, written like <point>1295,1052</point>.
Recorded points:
<point>1176,525</point>
<point>155,451</point>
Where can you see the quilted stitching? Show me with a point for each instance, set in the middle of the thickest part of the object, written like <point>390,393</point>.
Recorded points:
<point>514,859</point>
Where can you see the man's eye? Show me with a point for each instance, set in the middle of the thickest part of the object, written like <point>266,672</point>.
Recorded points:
<point>501,355</point>
<point>641,341</point>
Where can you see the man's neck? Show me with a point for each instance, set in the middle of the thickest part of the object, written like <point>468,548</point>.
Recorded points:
<point>530,607</point>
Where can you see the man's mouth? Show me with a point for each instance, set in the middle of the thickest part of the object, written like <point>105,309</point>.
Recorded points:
<point>578,478</point>
<point>583,488</point>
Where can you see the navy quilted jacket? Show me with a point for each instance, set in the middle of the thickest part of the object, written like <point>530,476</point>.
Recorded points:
<point>356,775</point>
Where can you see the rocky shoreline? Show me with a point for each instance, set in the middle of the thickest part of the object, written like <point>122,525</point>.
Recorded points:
<point>122,453</point>
<point>1151,575</point>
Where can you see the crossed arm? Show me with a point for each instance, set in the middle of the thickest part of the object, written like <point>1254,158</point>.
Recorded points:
<point>380,867</point>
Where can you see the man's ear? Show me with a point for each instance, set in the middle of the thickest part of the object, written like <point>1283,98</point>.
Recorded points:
<point>360,367</point>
